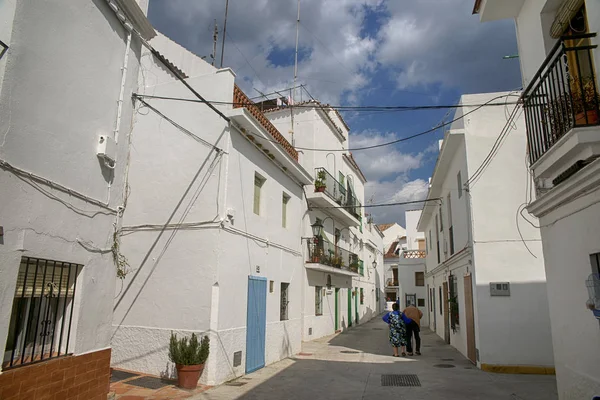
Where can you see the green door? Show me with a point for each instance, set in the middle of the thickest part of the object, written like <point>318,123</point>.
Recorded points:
<point>356,304</point>
<point>349,307</point>
<point>337,313</point>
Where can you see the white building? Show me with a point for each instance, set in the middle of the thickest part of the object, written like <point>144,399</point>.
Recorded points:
<point>217,233</point>
<point>563,145</point>
<point>212,230</point>
<point>342,258</point>
<point>405,264</point>
<point>485,274</point>
<point>64,69</point>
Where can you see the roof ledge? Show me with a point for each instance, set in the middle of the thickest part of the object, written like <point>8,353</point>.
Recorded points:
<point>129,10</point>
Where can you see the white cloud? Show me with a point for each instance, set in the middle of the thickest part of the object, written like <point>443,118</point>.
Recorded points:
<point>398,190</point>
<point>383,162</point>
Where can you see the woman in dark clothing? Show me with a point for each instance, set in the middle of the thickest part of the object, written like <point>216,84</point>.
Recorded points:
<point>397,330</point>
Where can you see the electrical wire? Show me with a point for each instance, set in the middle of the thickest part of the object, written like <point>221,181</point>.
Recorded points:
<point>494,150</point>
<point>434,129</point>
<point>401,203</point>
<point>349,108</point>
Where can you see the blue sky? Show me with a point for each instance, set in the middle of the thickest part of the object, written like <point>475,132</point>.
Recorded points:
<point>360,52</point>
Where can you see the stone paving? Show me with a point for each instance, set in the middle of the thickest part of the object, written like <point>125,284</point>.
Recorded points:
<point>122,390</point>
<point>350,366</point>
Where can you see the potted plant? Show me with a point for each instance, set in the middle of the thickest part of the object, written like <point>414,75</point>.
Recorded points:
<point>585,101</point>
<point>320,181</point>
<point>189,356</point>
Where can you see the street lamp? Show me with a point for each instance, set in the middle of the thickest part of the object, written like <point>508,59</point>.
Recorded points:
<point>374,264</point>
<point>317,228</point>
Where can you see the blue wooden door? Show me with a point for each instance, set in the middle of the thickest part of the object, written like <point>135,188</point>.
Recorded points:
<point>256,323</point>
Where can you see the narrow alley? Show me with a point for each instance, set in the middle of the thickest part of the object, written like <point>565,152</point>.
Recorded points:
<point>351,366</point>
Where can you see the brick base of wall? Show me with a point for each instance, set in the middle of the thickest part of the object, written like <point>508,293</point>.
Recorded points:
<point>67,378</point>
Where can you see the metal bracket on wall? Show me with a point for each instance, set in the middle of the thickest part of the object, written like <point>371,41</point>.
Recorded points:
<point>4,48</point>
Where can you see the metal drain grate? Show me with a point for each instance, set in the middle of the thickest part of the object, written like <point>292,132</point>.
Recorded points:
<point>349,352</point>
<point>447,359</point>
<point>377,329</point>
<point>400,380</point>
<point>150,382</point>
<point>444,366</point>
<point>117,376</point>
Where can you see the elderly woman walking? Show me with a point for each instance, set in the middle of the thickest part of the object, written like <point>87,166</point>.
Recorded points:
<point>397,330</point>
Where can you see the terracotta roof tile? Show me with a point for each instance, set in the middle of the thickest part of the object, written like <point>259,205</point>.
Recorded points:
<point>241,100</point>
<point>383,227</point>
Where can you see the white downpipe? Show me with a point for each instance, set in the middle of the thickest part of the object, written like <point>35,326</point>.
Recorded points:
<point>120,107</point>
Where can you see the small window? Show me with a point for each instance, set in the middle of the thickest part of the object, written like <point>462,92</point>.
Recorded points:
<point>284,202</point>
<point>441,219</point>
<point>284,296</point>
<point>318,300</point>
<point>419,278</point>
<point>430,239</point>
<point>42,312</point>
<point>460,186</point>
<point>271,283</point>
<point>259,181</point>
<point>420,302</point>
<point>362,296</point>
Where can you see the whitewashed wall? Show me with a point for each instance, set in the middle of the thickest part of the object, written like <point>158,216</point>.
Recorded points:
<point>51,118</point>
<point>194,278</point>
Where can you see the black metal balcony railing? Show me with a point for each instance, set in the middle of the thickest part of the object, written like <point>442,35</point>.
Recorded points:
<point>563,94</point>
<point>322,252</point>
<point>336,191</point>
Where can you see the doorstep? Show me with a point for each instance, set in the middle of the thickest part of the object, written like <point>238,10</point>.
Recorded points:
<point>122,389</point>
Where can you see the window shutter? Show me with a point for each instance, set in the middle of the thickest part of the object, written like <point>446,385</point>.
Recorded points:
<point>43,284</point>
<point>564,15</point>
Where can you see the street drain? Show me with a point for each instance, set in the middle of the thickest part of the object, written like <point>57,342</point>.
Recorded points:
<point>150,382</point>
<point>400,380</point>
<point>447,359</point>
<point>444,366</point>
<point>349,352</point>
<point>377,329</point>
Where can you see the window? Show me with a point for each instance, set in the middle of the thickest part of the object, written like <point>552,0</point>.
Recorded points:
<point>362,296</point>
<point>441,304</point>
<point>341,176</point>
<point>441,219</point>
<point>42,311</point>
<point>459,182</point>
<point>283,302</point>
<point>410,299</point>
<point>271,286</point>
<point>451,228</point>
<point>431,302</point>
<point>430,242</point>
<point>318,300</point>
<point>419,278</point>
<point>595,260</point>
<point>420,302</point>
<point>259,181</point>
<point>284,202</point>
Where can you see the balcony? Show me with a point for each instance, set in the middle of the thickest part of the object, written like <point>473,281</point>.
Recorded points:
<point>561,111</point>
<point>334,198</point>
<point>327,257</point>
<point>413,254</point>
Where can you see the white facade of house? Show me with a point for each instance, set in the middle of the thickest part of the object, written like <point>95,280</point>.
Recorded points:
<point>66,67</point>
<point>485,246</point>
<point>191,233</point>
<point>194,235</point>
<point>567,209</point>
<point>316,126</point>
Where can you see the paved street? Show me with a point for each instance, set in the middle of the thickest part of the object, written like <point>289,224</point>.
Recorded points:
<point>350,366</point>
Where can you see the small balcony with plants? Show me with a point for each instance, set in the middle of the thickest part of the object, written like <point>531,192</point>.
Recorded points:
<point>327,257</point>
<point>561,105</point>
<point>334,198</point>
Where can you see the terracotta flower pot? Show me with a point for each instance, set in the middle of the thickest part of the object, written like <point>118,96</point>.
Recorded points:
<point>188,375</point>
<point>320,189</point>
